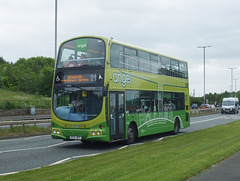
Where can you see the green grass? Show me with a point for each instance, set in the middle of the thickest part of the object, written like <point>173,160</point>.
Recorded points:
<point>18,131</point>
<point>173,158</point>
<point>16,99</point>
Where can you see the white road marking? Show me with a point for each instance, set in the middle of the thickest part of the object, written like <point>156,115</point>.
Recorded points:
<point>35,148</point>
<point>73,157</point>
<point>123,147</point>
<point>160,139</point>
<point>206,120</point>
<point>60,161</point>
<point>9,173</point>
<point>81,156</point>
<point>49,146</point>
<point>33,137</point>
<point>235,117</point>
<point>136,144</point>
<point>22,138</point>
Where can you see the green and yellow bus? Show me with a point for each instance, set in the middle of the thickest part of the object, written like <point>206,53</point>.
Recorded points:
<point>109,91</point>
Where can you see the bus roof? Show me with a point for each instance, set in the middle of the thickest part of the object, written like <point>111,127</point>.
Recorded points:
<point>110,40</point>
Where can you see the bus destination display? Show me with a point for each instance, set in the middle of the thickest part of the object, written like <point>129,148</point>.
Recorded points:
<point>78,78</point>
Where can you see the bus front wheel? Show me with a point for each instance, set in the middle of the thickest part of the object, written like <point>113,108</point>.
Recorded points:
<point>132,133</point>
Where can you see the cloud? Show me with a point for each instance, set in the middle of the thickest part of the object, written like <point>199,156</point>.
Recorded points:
<point>173,27</point>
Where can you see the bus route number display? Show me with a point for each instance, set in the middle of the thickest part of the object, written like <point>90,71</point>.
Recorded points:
<point>78,78</point>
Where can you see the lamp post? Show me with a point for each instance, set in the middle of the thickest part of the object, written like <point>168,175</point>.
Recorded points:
<point>231,90</point>
<point>204,47</point>
<point>55,53</point>
<point>235,86</point>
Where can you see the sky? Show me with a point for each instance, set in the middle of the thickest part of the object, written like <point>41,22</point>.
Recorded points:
<point>174,27</point>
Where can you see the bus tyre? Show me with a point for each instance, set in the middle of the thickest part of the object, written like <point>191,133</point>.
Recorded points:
<point>132,134</point>
<point>176,127</point>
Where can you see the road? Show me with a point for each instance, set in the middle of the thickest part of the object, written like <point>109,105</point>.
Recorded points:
<point>34,152</point>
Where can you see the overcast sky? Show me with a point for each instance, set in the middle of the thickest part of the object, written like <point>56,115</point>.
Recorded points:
<point>172,27</point>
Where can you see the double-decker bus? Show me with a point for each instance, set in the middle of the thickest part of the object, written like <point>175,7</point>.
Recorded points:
<point>108,91</point>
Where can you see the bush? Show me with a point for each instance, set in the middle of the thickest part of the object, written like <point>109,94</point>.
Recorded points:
<point>7,105</point>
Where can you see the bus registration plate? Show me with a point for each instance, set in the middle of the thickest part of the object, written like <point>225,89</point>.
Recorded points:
<point>75,137</point>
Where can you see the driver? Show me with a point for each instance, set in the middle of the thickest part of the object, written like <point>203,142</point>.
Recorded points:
<point>77,104</point>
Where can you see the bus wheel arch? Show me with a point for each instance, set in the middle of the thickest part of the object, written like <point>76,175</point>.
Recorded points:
<point>132,133</point>
<point>176,126</point>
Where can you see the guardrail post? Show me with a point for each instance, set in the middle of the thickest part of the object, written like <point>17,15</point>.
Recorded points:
<point>23,128</point>
<point>205,111</point>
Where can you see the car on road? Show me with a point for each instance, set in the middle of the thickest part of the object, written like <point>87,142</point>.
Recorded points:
<point>211,106</point>
<point>194,106</point>
<point>204,106</point>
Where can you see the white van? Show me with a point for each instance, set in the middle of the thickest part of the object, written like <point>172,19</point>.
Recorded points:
<point>230,105</point>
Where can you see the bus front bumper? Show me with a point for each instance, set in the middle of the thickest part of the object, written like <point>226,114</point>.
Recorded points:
<point>79,134</point>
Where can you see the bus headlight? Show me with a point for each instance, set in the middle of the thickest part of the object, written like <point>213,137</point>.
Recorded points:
<point>95,133</point>
<point>56,131</point>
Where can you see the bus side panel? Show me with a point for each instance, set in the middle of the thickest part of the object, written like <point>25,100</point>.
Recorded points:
<point>150,123</point>
<point>157,122</point>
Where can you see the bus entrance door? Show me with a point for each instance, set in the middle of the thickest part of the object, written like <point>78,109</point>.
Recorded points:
<point>117,116</point>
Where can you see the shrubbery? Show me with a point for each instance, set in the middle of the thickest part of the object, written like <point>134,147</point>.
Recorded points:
<point>21,104</point>
<point>33,75</point>
<point>7,105</point>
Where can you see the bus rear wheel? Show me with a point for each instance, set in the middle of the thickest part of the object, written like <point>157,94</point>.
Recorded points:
<point>176,127</point>
<point>132,134</point>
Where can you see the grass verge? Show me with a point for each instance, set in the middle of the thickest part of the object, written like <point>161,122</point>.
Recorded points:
<point>17,100</point>
<point>173,158</point>
<point>15,131</point>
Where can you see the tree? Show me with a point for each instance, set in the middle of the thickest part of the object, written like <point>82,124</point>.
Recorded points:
<point>37,75</point>
<point>46,79</point>
<point>2,61</point>
<point>33,75</point>
<point>196,100</point>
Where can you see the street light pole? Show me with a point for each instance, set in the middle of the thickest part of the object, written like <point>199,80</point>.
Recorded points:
<point>232,79</point>
<point>55,53</point>
<point>204,47</point>
<point>235,86</point>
